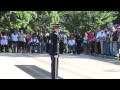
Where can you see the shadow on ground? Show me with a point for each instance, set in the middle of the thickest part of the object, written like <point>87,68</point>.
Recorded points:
<point>24,55</point>
<point>65,56</point>
<point>35,72</point>
<point>108,59</point>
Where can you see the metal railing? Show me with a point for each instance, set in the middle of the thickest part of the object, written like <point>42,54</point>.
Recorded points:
<point>108,48</point>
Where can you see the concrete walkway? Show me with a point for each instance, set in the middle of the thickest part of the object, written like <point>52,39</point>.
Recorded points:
<point>37,66</point>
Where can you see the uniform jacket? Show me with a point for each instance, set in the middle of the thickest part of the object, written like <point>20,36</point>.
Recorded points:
<point>54,46</point>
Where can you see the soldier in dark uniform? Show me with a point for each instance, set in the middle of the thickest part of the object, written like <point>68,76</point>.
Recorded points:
<point>54,51</point>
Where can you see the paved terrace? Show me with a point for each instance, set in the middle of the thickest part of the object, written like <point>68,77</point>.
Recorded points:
<point>37,66</point>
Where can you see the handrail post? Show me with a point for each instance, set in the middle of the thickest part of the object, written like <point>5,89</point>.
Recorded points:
<point>103,48</point>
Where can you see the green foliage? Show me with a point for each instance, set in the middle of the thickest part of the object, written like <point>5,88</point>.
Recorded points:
<point>87,20</point>
<point>17,19</point>
<point>71,21</point>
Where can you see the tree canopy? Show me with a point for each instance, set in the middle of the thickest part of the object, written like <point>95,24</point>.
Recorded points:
<point>72,21</point>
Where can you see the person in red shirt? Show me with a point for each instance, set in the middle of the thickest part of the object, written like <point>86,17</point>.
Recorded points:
<point>91,42</point>
<point>28,36</point>
<point>91,36</point>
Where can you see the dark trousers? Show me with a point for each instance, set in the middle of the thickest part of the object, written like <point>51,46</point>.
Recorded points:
<point>91,47</point>
<point>61,47</point>
<point>78,49</point>
<point>98,48</point>
<point>4,46</point>
<point>54,67</point>
<point>47,47</point>
<point>71,49</point>
<point>15,46</point>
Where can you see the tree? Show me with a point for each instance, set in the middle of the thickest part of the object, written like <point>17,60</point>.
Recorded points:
<point>86,20</point>
<point>45,20</point>
<point>42,22</point>
<point>72,21</point>
<point>17,19</point>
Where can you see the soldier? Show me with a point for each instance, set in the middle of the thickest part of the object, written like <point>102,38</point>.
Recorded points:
<point>54,51</point>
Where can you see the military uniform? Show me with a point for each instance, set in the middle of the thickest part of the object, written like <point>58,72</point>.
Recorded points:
<point>54,51</point>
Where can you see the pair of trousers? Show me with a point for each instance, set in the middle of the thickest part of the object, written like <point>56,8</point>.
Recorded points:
<point>6,48</point>
<point>54,67</point>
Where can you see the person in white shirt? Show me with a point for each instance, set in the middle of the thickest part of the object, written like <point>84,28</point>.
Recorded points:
<point>65,46</point>
<point>97,43</point>
<point>85,43</point>
<point>65,42</point>
<point>47,34</point>
<point>14,37</point>
<point>98,34</point>
<point>4,44</point>
<point>22,41</point>
<point>106,45</point>
<point>33,42</point>
<point>102,38</point>
<point>71,45</point>
<point>71,42</point>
